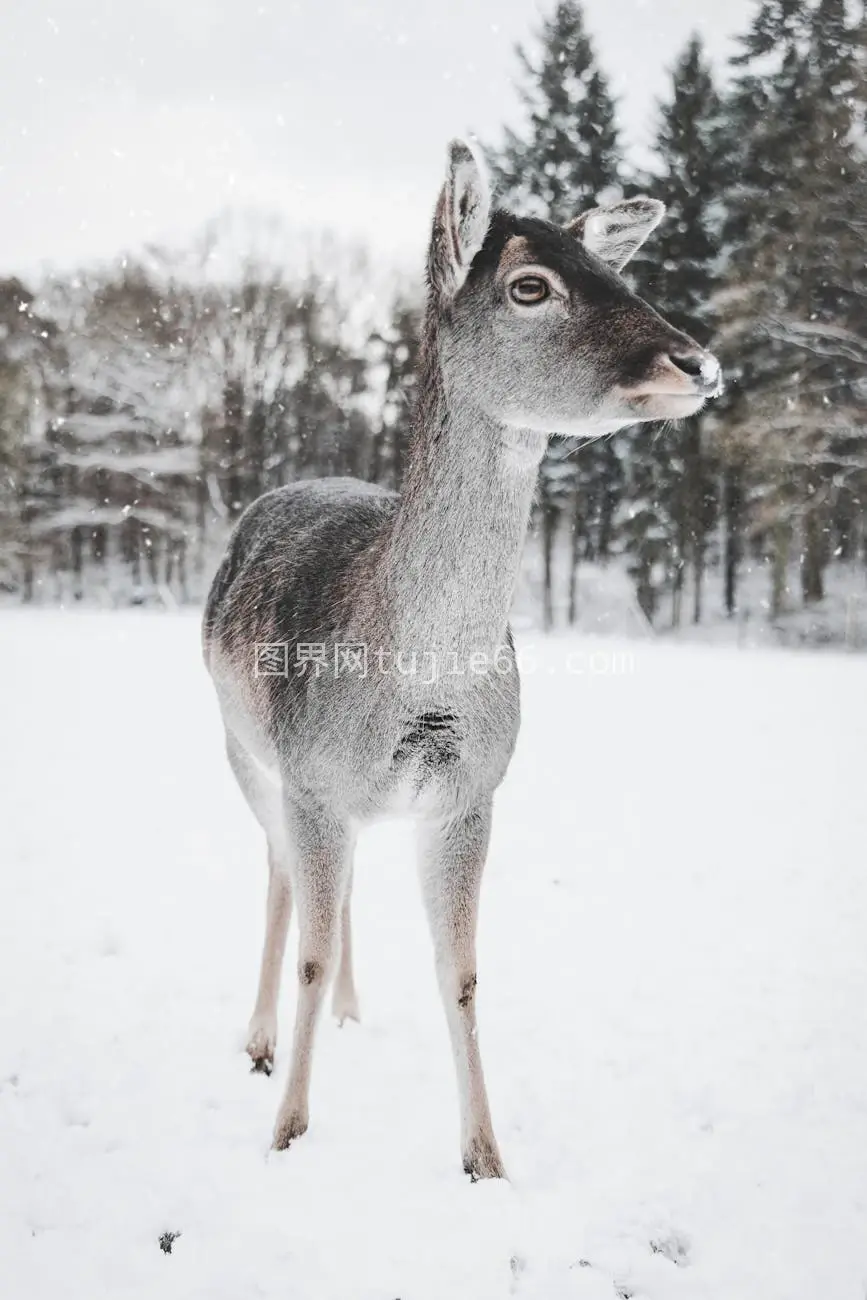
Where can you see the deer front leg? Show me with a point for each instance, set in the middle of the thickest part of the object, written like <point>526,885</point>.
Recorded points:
<point>262,1032</point>
<point>451,861</point>
<point>321,862</point>
<point>344,1000</point>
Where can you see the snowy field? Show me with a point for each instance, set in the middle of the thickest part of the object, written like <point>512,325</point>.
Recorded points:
<point>672,999</point>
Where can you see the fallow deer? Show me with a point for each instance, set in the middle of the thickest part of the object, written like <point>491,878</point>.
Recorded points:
<point>388,678</point>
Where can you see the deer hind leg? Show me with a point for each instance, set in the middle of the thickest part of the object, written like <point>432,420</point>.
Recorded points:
<point>262,1030</point>
<point>451,861</point>
<point>344,999</point>
<point>263,794</point>
<point>321,866</point>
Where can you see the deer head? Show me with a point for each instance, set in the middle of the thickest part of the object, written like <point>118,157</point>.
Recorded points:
<point>535,325</point>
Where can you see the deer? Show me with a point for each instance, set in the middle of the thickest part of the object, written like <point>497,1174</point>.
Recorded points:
<point>358,638</point>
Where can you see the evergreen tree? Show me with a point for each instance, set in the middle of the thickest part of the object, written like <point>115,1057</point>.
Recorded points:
<point>567,152</point>
<point>795,272</point>
<point>669,503</point>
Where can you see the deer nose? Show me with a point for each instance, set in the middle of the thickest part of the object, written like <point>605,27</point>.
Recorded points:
<point>701,366</point>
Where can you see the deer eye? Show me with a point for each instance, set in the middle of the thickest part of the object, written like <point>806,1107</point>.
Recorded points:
<point>529,290</point>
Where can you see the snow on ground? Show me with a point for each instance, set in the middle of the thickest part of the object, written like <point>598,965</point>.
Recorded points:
<point>673,996</point>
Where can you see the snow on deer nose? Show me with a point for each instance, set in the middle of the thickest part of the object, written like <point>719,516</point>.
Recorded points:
<point>701,367</point>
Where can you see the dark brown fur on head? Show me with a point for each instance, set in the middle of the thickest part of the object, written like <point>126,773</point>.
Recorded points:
<point>590,358</point>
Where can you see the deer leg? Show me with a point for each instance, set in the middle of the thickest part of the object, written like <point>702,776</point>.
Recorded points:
<point>321,864</point>
<point>263,1022</point>
<point>452,860</point>
<point>344,1000</point>
<point>262,792</point>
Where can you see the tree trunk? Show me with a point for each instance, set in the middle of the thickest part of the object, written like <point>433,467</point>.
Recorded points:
<point>135,551</point>
<point>76,543</point>
<point>233,442</point>
<point>813,557</point>
<point>608,499</point>
<point>733,515</point>
<point>200,557</point>
<point>698,566</point>
<point>153,559</point>
<point>27,576</point>
<point>374,464</point>
<point>182,569</point>
<point>677,588</point>
<point>644,590</point>
<point>694,512</point>
<point>549,530</point>
<point>574,554</point>
<point>782,535</point>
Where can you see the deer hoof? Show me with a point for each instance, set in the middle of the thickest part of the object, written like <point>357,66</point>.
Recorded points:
<point>260,1049</point>
<point>482,1159</point>
<point>288,1129</point>
<point>345,1008</point>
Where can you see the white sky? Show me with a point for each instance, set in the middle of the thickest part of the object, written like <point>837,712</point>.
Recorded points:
<point>123,121</point>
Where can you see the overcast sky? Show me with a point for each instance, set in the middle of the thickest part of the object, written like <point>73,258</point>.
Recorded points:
<point>123,121</point>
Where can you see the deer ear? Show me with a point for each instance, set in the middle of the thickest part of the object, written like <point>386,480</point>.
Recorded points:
<point>614,234</point>
<point>460,222</point>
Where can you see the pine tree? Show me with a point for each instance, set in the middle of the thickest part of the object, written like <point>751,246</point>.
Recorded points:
<point>567,152</point>
<point>795,278</point>
<point>565,157</point>
<point>758,148</point>
<point>669,503</point>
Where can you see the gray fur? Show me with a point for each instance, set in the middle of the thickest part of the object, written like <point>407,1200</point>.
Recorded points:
<point>429,574</point>
<point>615,234</point>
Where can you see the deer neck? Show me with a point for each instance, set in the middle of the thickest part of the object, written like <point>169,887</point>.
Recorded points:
<point>450,561</point>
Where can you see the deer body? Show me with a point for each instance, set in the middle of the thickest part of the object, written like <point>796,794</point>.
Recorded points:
<point>418,586</point>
